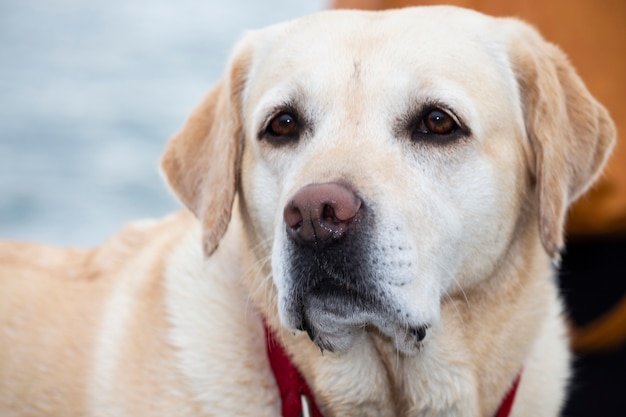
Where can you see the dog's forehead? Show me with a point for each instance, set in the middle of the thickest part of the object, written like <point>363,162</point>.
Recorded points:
<point>425,43</point>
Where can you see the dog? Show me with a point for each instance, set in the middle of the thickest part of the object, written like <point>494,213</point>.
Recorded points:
<point>381,195</point>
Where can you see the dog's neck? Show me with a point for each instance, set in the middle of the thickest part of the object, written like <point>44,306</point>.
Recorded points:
<point>298,399</point>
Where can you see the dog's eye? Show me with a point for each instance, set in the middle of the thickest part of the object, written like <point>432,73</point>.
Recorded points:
<point>437,122</point>
<point>284,125</point>
<point>437,126</point>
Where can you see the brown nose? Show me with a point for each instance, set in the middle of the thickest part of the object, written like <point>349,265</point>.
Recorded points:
<point>321,213</point>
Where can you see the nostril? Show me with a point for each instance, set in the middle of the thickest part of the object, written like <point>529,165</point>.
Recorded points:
<point>328,214</point>
<point>293,216</point>
<point>334,214</point>
<point>343,211</point>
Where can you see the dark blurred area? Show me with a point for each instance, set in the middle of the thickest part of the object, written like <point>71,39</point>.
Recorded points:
<point>593,269</point>
<point>593,284</point>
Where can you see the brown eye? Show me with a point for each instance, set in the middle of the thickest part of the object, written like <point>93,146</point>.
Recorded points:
<point>283,125</point>
<point>437,122</point>
<point>437,126</point>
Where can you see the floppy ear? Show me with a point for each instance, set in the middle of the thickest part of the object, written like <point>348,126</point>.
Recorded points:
<point>570,133</point>
<point>201,162</point>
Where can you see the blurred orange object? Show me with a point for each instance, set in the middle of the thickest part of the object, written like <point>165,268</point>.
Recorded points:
<point>593,34</point>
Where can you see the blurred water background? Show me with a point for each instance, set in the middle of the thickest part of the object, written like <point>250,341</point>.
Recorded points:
<point>90,92</point>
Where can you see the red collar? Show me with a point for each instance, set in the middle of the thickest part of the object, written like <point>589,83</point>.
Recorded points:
<point>507,403</point>
<point>297,398</point>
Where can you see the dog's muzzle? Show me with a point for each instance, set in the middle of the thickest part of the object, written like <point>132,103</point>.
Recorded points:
<point>335,290</point>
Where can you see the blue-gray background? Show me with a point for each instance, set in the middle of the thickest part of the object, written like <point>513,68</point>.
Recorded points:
<point>90,92</point>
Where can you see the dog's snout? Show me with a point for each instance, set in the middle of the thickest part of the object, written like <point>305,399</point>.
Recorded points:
<point>320,213</point>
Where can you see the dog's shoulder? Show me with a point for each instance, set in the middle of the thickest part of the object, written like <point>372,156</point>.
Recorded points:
<point>141,241</point>
<point>18,257</point>
<point>32,271</point>
<point>22,259</point>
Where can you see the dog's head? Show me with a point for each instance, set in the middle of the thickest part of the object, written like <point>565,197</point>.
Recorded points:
<point>388,160</point>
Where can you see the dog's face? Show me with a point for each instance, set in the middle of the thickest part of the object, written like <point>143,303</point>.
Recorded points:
<point>382,160</point>
<point>388,160</point>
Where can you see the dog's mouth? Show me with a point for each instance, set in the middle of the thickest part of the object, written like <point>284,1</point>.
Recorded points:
<point>335,315</point>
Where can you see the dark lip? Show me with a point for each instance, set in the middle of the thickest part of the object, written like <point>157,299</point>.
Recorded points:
<point>342,299</point>
<point>328,301</point>
<point>329,288</point>
<point>323,275</point>
<point>332,315</point>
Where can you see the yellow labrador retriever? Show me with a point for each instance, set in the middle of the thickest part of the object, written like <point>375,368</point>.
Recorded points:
<point>385,192</point>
